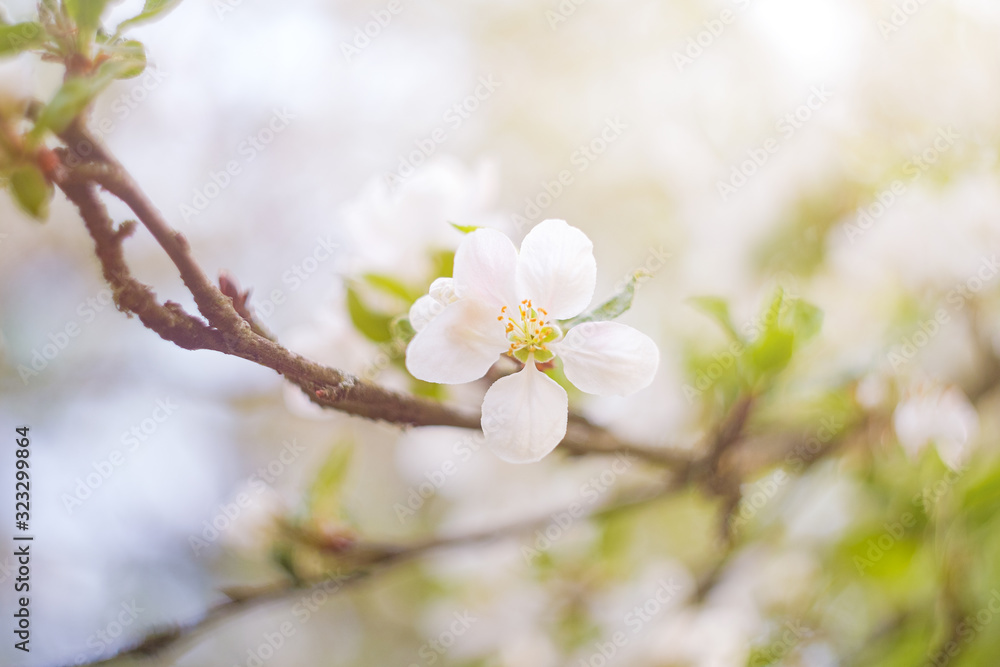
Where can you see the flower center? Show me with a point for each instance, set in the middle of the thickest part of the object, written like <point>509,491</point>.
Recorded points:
<point>529,333</point>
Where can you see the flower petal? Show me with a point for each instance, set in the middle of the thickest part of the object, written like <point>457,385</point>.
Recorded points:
<point>942,415</point>
<point>912,426</point>
<point>485,265</point>
<point>423,310</point>
<point>608,358</point>
<point>556,269</point>
<point>426,308</point>
<point>457,346</point>
<point>524,415</point>
<point>443,290</point>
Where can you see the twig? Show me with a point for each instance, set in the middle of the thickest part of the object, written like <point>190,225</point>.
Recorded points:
<point>367,559</point>
<point>168,319</point>
<point>241,298</point>
<point>229,331</point>
<point>245,599</point>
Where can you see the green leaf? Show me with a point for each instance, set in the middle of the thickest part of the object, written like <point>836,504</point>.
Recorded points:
<point>375,326</point>
<point>390,286</point>
<point>20,37</point>
<point>131,55</point>
<point>86,13</point>
<point>69,101</point>
<point>614,544</point>
<point>465,229</point>
<point>327,490</point>
<point>981,500</point>
<point>152,10</point>
<point>613,307</point>
<point>444,263</point>
<point>787,324</point>
<point>772,351</point>
<point>75,94</point>
<point>436,392</point>
<point>31,190</point>
<point>121,67</point>
<point>806,319</point>
<point>717,308</point>
<point>283,556</point>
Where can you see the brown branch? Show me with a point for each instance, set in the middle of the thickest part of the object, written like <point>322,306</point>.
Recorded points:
<point>366,561</point>
<point>584,437</point>
<point>212,303</point>
<point>241,600</point>
<point>87,162</point>
<point>169,320</point>
<point>241,299</point>
<point>708,469</point>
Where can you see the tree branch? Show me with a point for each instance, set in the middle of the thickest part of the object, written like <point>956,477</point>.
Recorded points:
<point>366,561</point>
<point>169,320</point>
<point>86,162</point>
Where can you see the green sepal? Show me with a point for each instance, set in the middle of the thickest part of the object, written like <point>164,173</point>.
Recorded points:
<point>401,329</point>
<point>465,229</point>
<point>152,10</point>
<point>614,307</point>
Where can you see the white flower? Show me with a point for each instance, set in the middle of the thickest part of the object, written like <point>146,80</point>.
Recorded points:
<point>393,231</point>
<point>939,414</point>
<point>501,301</point>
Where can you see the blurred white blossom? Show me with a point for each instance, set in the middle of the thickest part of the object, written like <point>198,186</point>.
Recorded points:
<point>942,415</point>
<point>394,231</point>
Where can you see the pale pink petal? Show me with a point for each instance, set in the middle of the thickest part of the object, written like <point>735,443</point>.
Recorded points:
<point>942,415</point>
<point>556,269</point>
<point>485,266</point>
<point>524,416</point>
<point>457,346</point>
<point>443,290</point>
<point>423,310</point>
<point>608,358</point>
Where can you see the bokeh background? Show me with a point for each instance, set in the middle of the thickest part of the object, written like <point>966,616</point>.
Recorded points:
<point>845,150</point>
